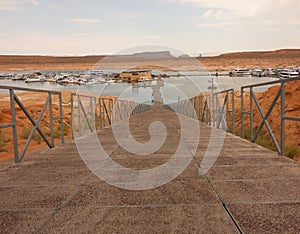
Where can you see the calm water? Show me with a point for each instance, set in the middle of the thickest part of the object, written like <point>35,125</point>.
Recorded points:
<point>173,88</point>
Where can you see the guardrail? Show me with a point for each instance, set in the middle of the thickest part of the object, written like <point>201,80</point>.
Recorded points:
<point>13,98</point>
<point>90,113</point>
<point>222,114</point>
<point>222,111</point>
<point>83,109</point>
<point>253,100</point>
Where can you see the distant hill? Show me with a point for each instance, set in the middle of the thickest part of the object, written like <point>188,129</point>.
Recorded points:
<point>158,54</point>
<point>263,54</point>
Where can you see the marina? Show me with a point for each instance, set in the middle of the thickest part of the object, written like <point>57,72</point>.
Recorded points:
<point>188,81</point>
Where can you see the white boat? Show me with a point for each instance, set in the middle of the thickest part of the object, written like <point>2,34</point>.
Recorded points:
<point>289,73</point>
<point>35,79</point>
<point>257,72</point>
<point>240,72</point>
<point>270,72</point>
<point>18,77</point>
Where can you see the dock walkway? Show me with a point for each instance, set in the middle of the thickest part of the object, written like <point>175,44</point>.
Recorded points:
<point>249,189</point>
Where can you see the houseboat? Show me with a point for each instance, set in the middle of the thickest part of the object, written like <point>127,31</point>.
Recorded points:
<point>289,73</point>
<point>136,76</point>
<point>35,79</point>
<point>240,72</point>
<point>270,72</point>
<point>19,77</point>
<point>257,72</point>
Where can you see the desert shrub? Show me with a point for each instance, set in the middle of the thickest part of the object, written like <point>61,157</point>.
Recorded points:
<point>37,137</point>
<point>262,140</point>
<point>3,141</point>
<point>25,132</point>
<point>266,142</point>
<point>46,131</point>
<point>291,151</point>
<point>57,130</point>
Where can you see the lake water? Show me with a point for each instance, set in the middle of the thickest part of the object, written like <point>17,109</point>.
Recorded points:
<point>173,88</point>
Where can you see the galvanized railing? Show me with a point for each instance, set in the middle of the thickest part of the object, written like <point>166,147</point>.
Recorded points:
<point>90,113</point>
<point>83,109</point>
<point>218,110</point>
<point>14,99</point>
<point>254,102</point>
<point>106,106</point>
<point>222,112</point>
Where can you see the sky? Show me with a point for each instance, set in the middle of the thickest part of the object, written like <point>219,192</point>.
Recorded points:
<point>94,27</point>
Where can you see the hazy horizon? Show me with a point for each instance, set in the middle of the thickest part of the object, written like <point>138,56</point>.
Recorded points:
<point>106,27</point>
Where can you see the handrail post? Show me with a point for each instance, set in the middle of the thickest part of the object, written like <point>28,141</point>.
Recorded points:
<point>213,109</point>
<point>51,119</point>
<point>282,118</point>
<point>251,114</point>
<point>233,113</point>
<point>61,119</point>
<point>14,124</point>
<point>227,110</point>
<point>242,113</point>
<point>72,115</point>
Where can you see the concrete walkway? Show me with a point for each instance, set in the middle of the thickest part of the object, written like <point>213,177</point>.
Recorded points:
<point>249,189</point>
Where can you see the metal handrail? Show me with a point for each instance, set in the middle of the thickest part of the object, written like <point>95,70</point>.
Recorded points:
<point>223,111</point>
<point>213,112</point>
<point>254,101</point>
<point>13,98</point>
<point>85,116</point>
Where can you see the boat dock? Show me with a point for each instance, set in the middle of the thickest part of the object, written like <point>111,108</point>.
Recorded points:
<point>249,189</point>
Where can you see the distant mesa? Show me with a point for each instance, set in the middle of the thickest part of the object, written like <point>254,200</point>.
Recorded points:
<point>157,54</point>
<point>184,56</point>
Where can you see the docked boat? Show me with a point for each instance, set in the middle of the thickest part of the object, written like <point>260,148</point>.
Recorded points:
<point>289,73</point>
<point>257,72</point>
<point>18,77</point>
<point>240,72</point>
<point>270,72</point>
<point>35,79</point>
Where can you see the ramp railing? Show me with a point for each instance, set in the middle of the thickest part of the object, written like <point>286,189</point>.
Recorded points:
<point>90,113</point>
<point>219,110</point>
<point>223,110</point>
<point>280,99</point>
<point>14,99</point>
<point>83,108</point>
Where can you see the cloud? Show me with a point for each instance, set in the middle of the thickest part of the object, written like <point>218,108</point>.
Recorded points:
<point>128,16</point>
<point>278,9</point>
<point>56,6</point>
<point>221,25</point>
<point>9,5</point>
<point>85,20</point>
<point>35,2</point>
<point>15,5</point>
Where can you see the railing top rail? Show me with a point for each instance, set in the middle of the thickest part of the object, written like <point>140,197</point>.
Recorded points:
<point>226,91</point>
<point>82,95</point>
<point>270,83</point>
<point>29,89</point>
